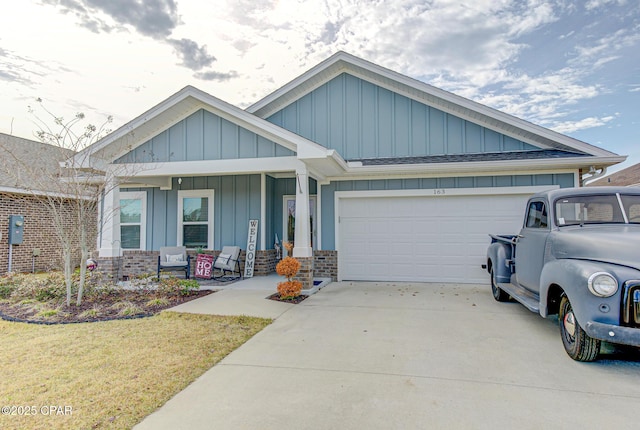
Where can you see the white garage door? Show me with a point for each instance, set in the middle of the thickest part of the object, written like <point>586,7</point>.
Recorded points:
<point>422,238</point>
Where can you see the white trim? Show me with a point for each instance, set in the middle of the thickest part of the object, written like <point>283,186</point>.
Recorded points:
<point>210,222</point>
<point>434,192</point>
<point>478,167</point>
<point>238,166</point>
<point>318,216</point>
<point>176,108</point>
<point>430,175</point>
<point>263,211</point>
<point>446,192</point>
<point>142,196</point>
<point>39,194</point>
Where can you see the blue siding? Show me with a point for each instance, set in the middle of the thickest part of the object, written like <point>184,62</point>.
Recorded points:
<point>564,180</point>
<point>205,136</point>
<point>361,120</point>
<point>236,201</point>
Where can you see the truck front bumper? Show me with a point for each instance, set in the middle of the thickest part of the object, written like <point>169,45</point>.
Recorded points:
<point>613,333</point>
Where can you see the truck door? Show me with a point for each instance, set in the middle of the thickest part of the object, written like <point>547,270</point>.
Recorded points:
<point>530,246</point>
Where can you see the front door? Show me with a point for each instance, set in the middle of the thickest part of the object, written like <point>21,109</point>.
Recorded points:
<point>289,219</point>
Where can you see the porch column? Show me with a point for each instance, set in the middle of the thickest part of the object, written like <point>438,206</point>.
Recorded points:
<point>110,245</point>
<point>302,245</point>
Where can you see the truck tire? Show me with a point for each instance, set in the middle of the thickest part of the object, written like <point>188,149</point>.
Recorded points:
<point>578,344</point>
<point>498,293</point>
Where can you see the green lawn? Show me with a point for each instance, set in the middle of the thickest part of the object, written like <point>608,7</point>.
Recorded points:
<point>108,374</point>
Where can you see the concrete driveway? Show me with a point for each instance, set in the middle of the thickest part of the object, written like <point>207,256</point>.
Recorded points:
<point>407,356</point>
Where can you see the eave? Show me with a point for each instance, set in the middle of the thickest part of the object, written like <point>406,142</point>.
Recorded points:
<point>358,171</point>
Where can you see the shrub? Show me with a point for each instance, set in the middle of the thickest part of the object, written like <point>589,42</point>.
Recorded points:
<point>160,301</point>
<point>37,287</point>
<point>142,282</point>
<point>5,291</point>
<point>289,289</point>
<point>174,286</point>
<point>47,313</point>
<point>51,292</point>
<point>288,267</point>
<point>288,246</point>
<point>91,313</point>
<point>127,309</point>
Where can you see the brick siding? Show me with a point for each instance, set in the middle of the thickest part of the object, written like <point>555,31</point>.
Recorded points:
<point>325,264</point>
<point>39,234</point>
<point>305,274</point>
<point>134,263</point>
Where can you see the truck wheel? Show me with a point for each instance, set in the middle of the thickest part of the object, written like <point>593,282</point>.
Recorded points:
<point>578,344</point>
<point>498,293</point>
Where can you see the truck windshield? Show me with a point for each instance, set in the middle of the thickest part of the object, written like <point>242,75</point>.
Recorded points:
<point>598,209</point>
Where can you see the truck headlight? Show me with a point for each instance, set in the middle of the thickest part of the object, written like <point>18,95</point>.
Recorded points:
<point>602,284</point>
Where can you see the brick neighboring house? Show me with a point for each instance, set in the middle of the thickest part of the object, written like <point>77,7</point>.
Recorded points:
<point>20,194</point>
<point>629,177</point>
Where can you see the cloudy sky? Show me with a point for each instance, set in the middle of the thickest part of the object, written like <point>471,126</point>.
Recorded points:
<point>569,65</point>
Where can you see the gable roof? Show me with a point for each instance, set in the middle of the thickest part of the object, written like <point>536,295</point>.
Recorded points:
<point>627,177</point>
<point>41,157</point>
<point>485,116</point>
<point>176,108</point>
<point>327,163</point>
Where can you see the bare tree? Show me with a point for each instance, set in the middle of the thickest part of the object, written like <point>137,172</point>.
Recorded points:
<point>69,191</point>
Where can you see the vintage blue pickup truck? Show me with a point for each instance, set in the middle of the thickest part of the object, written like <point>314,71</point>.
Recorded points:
<point>577,256</point>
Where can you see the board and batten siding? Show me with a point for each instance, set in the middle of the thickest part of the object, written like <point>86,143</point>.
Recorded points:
<point>563,180</point>
<point>362,120</point>
<point>236,201</point>
<point>204,136</point>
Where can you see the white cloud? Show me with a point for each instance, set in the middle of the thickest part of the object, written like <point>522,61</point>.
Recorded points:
<point>596,4</point>
<point>585,123</point>
<point>471,48</point>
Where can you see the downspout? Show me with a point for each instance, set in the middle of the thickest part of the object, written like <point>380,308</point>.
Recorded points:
<point>593,174</point>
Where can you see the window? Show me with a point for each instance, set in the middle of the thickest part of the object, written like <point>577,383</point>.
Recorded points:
<point>590,209</point>
<point>195,218</point>
<point>133,214</point>
<point>631,204</point>
<point>537,215</point>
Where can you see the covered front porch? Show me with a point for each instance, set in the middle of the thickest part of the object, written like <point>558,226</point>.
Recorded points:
<point>205,212</point>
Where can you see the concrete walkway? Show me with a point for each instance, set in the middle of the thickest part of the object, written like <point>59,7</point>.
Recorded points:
<point>406,356</point>
<point>245,297</point>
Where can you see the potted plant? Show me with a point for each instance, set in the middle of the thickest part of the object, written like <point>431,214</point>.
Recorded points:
<point>288,267</point>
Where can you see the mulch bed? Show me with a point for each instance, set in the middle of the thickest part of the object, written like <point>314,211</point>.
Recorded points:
<point>104,304</point>
<point>293,301</point>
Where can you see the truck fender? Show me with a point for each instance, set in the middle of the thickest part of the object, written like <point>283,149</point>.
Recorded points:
<point>498,255</point>
<point>571,277</point>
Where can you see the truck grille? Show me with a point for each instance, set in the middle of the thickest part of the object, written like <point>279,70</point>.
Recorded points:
<point>631,304</point>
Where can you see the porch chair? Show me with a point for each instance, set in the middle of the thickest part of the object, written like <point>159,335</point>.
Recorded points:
<point>226,267</point>
<point>174,258</point>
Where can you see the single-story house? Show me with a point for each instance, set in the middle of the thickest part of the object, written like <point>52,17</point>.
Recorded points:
<point>23,165</point>
<point>373,175</point>
<point>629,177</point>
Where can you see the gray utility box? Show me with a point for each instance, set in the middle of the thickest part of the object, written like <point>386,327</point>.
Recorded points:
<point>16,229</point>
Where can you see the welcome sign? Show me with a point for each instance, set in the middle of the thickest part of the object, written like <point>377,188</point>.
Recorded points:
<point>252,239</point>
